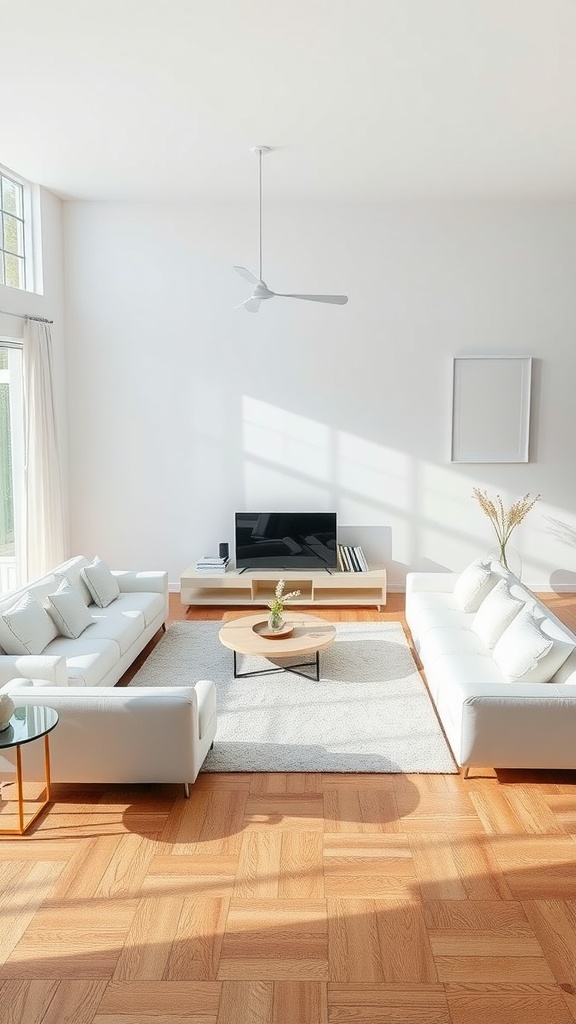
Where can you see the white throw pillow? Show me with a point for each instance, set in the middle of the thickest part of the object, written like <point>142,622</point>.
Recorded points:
<point>525,653</point>
<point>68,611</point>
<point>26,628</point>
<point>473,585</point>
<point>495,614</point>
<point>100,582</point>
<point>73,576</point>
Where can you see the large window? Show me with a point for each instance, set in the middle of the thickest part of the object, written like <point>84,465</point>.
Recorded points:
<point>11,463</point>
<point>14,233</point>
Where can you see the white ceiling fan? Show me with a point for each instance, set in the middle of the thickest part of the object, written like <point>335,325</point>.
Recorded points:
<point>261,290</point>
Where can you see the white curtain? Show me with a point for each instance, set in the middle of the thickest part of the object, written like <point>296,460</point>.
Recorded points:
<point>44,524</point>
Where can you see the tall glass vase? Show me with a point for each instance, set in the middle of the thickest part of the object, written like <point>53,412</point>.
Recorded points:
<point>276,621</point>
<point>509,557</point>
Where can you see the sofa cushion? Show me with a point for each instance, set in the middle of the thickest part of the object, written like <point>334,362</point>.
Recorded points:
<point>450,640</point>
<point>26,627</point>
<point>87,662</point>
<point>151,605</point>
<point>473,585</point>
<point>100,582</point>
<point>439,616</point>
<point>125,627</point>
<point>566,674</point>
<point>495,614</point>
<point>68,611</point>
<point>445,673</point>
<point>525,652</point>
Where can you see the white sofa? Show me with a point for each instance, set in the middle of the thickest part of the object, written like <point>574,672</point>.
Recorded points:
<point>123,734</point>
<point>103,651</point>
<point>491,717</point>
<point>109,734</point>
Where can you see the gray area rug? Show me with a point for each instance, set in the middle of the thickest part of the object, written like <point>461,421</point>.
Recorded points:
<point>370,711</point>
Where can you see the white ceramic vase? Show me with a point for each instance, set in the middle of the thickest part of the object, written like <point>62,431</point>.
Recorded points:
<point>6,710</point>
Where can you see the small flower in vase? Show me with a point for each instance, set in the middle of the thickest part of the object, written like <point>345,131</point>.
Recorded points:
<point>504,520</point>
<point>276,617</point>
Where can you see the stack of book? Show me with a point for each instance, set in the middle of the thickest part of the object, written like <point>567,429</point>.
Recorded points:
<point>351,559</point>
<point>212,564</point>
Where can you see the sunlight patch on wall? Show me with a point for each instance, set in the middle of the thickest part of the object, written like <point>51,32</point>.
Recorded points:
<point>372,471</point>
<point>284,439</point>
<point>402,535</point>
<point>359,511</point>
<point>277,491</point>
<point>449,519</point>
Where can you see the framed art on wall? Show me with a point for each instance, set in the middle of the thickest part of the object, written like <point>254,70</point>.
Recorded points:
<point>491,408</point>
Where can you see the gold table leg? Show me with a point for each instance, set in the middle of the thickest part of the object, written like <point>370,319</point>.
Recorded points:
<point>22,825</point>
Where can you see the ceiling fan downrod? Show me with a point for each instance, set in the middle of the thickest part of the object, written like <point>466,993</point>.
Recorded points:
<point>261,291</point>
<point>260,151</point>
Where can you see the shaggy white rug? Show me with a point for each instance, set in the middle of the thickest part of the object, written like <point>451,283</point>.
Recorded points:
<point>370,711</point>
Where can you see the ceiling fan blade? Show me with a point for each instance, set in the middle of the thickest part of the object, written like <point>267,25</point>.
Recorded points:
<point>252,305</point>
<point>247,275</point>
<point>339,300</point>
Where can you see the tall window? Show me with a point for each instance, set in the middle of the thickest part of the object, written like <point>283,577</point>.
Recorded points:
<point>11,464</point>
<point>13,233</point>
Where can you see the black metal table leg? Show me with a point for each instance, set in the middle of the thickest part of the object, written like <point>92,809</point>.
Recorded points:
<point>280,668</point>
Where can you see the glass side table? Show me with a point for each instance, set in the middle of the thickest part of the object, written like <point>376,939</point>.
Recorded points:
<point>28,724</point>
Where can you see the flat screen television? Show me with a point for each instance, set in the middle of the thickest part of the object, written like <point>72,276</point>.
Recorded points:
<point>285,540</point>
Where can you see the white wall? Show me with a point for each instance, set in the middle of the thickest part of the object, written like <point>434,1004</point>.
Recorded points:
<point>183,409</point>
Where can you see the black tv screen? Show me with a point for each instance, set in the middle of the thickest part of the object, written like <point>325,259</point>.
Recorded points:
<point>285,540</point>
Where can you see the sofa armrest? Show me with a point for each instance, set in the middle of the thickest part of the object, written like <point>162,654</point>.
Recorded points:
<point>49,667</point>
<point>511,725</point>
<point>206,703</point>
<point>141,581</point>
<point>118,734</point>
<point>430,582</point>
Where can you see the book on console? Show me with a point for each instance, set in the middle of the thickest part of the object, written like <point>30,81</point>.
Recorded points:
<point>361,558</point>
<point>345,553</point>
<point>212,564</point>
<point>354,560</point>
<point>351,558</point>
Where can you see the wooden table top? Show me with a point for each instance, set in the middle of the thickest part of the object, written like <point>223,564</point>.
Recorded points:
<point>310,634</point>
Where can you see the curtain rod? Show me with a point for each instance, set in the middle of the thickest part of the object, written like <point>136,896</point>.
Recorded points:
<point>27,316</point>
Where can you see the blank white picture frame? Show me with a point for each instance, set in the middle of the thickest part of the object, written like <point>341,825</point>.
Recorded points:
<point>491,408</point>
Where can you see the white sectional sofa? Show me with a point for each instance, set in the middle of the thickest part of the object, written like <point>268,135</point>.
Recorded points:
<point>105,734</point>
<point>500,667</point>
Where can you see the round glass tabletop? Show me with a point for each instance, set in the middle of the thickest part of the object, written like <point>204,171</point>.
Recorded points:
<point>28,724</point>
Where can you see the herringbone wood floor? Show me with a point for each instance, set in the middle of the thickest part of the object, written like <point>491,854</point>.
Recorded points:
<point>297,899</point>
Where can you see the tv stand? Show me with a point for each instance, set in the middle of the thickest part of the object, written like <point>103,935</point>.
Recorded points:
<point>256,589</point>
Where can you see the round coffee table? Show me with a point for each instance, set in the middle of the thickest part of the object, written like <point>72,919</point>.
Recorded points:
<point>309,636</point>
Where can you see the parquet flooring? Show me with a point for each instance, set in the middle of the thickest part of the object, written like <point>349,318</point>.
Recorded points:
<point>297,899</point>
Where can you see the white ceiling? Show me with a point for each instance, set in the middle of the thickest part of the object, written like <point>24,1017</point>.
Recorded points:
<point>162,99</point>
